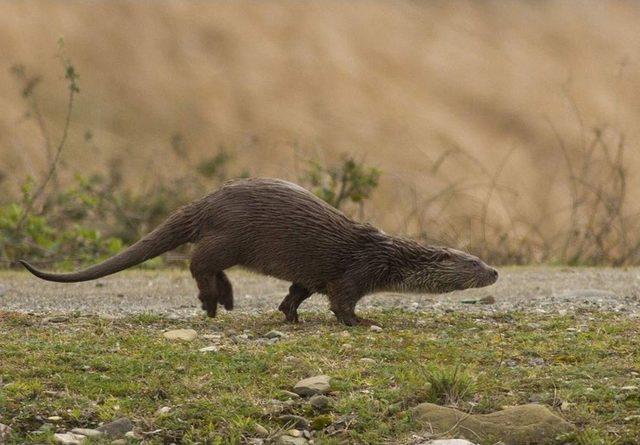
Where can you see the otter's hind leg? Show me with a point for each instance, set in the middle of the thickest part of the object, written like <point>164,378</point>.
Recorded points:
<point>289,306</point>
<point>208,261</point>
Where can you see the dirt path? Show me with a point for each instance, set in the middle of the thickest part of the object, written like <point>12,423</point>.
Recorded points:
<point>539,289</point>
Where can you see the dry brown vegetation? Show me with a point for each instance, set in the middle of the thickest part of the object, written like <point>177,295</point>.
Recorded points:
<point>507,128</point>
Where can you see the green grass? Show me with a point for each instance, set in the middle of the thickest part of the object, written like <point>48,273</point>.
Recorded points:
<point>89,370</point>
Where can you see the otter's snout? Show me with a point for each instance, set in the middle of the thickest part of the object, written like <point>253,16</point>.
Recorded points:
<point>489,275</point>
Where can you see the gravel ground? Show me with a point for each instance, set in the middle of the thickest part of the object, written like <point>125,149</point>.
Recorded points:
<point>173,293</point>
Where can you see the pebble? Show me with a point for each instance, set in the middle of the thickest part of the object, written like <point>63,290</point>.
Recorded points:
<point>367,360</point>
<point>260,430</point>
<point>181,334</point>
<point>289,394</point>
<point>320,402</point>
<point>69,438</point>
<point>294,433</point>
<point>117,428</point>
<point>5,432</point>
<point>294,421</point>
<point>56,319</point>
<point>239,338</point>
<point>211,348</point>
<point>162,411</point>
<point>86,432</point>
<point>54,418</point>
<point>448,442</point>
<point>319,384</point>
<point>375,328</point>
<point>290,440</point>
<point>119,442</point>
<point>629,388</point>
<point>536,361</point>
<point>275,334</point>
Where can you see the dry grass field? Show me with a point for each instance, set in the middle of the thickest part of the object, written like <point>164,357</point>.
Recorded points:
<point>505,124</point>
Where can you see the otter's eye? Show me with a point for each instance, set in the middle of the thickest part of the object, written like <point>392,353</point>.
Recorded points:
<point>446,256</point>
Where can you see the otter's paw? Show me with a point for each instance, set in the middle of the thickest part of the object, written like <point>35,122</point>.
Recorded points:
<point>290,311</point>
<point>209,304</point>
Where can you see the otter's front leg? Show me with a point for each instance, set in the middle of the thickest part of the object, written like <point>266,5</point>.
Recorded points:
<point>289,306</point>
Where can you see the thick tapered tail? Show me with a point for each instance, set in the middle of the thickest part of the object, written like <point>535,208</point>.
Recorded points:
<point>181,227</point>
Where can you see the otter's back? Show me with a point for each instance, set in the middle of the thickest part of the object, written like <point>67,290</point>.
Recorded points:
<point>281,229</point>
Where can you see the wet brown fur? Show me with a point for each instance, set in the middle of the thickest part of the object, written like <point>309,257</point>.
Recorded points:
<point>280,229</point>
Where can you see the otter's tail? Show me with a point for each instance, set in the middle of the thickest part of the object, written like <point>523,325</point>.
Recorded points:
<point>181,227</point>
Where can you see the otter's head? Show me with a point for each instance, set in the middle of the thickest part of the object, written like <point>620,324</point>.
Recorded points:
<point>441,269</point>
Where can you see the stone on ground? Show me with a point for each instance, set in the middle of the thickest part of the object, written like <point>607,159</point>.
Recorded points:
<point>117,428</point>
<point>274,334</point>
<point>319,384</point>
<point>513,426</point>
<point>181,334</point>
<point>448,442</point>
<point>69,438</point>
<point>290,440</point>
<point>5,432</point>
<point>320,402</point>
<point>86,432</point>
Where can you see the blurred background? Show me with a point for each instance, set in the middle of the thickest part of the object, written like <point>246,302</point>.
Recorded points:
<point>509,129</point>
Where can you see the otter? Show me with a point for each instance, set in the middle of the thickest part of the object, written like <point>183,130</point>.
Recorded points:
<point>280,229</point>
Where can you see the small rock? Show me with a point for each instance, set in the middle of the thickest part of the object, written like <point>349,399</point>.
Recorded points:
<point>289,394</point>
<point>215,336</point>
<point>320,402</point>
<point>211,348</point>
<point>294,433</point>
<point>86,432</point>
<point>5,432</point>
<point>629,388</point>
<point>448,442</point>
<point>513,425</point>
<point>347,346</point>
<point>54,418</point>
<point>290,440</point>
<point>69,438</point>
<point>117,428</point>
<point>260,430</point>
<point>239,338</point>
<point>181,334</point>
<point>275,334</point>
<point>489,299</point>
<point>367,360</point>
<point>131,435</point>
<point>536,361</point>
<point>56,319</point>
<point>119,442</point>
<point>319,384</point>
<point>291,420</point>
<point>375,328</point>
<point>163,410</point>
<point>255,441</point>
